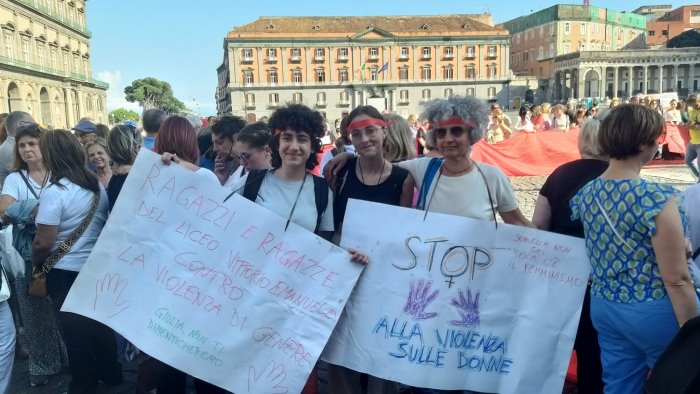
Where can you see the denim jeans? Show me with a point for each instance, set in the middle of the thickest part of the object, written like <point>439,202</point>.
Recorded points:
<point>92,346</point>
<point>7,346</point>
<point>692,152</point>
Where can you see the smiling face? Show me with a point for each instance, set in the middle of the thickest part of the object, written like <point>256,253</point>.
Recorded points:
<point>453,142</point>
<point>294,148</point>
<point>29,149</point>
<point>367,138</point>
<point>98,156</point>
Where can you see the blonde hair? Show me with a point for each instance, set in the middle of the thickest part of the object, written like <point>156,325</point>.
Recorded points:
<point>588,138</point>
<point>546,108</point>
<point>398,145</point>
<point>537,110</point>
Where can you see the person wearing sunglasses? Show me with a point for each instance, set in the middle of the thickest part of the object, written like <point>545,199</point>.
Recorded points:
<point>456,184</point>
<point>223,137</point>
<point>252,147</point>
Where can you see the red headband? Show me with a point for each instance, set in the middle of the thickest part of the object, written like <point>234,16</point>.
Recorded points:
<point>367,122</point>
<point>279,131</point>
<point>455,121</point>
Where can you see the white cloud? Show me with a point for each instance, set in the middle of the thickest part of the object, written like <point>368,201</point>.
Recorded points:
<point>115,94</point>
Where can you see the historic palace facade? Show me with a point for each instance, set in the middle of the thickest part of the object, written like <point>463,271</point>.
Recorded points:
<point>45,62</point>
<point>334,64</point>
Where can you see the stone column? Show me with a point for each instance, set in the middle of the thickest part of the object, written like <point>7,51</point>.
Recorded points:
<point>414,56</point>
<point>330,74</point>
<point>309,54</point>
<point>437,75</point>
<point>615,76</point>
<point>70,116</point>
<point>283,57</point>
<point>259,65</point>
<point>233,66</point>
<point>645,81</point>
<point>458,71</point>
<point>675,77</point>
<point>630,84</point>
<point>602,86</point>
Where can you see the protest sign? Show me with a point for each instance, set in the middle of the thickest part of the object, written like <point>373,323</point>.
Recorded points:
<point>454,303</point>
<point>216,289</point>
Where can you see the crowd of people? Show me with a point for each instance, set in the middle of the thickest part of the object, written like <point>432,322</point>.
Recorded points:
<point>59,187</point>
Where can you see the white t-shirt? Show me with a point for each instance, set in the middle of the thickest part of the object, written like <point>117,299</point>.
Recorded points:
<point>465,195</point>
<point>66,208</point>
<point>524,125</point>
<point>329,155</point>
<point>278,195</point>
<point>234,178</point>
<point>16,188</point>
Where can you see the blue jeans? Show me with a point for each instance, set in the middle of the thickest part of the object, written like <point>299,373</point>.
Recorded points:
<point>632,336</point>
<point>692,152</point>
<point>7,346</point>
<point>92,346</point>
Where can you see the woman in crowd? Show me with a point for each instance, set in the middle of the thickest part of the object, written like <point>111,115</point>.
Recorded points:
<point>421,139</point>
<point>369,177</point>
<point>524,123</point>
<point>559,120</point>
<point>673,115</point>
<point>683,109</point>
<point>72,211</point>
<point>223,137</point>
<point>253,147</point>
<point>20,195</point>
<point>456,184</point>
<point>547,115</point>
<point>3,130</point>
<point>97,155</point>
<point>123,144</point>
<point>177,143</point>
<point>206,150</point>
<point>538,121</point>
<point>498,130</point>
<point>342,144</point>
<point>579,116</point>
<point>398,145</point>
<point>641,290</point>
<point>552,213</point>
<point>654,105</point>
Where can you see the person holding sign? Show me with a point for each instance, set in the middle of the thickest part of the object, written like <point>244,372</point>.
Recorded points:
<point>455,184</point>
<point>72,211</point>
<point>369,177</point>
<point>641,290</point>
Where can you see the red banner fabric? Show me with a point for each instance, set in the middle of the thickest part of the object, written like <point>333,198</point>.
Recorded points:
<point>677,137</point>
<point>530,154</point>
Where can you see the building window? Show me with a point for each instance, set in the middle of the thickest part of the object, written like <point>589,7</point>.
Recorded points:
<point>373,73</point>
<point>54,61</point>
<point>9,48</point>
<point>583,28</point>
<point>247,55</point>
<point>272,54</point>
<point>551,50</point>
<point>320,54</point>
<point>295,54</point>
<point>40,54</point>
<point>425,73</point>
<point>403,96</point>
<point>566,48</point>
<point>274,99</point>
<point>471,52</point>
<point>404,53</point>
<point>426,53</point>
<point>343,54</point>
<point>296,76</point>
<point>76,64</point>
<point>491,92</point>
<point>86,67</point>
<point>695,13</point>
<point>343,75</point>
<point>403,73</point>
<point>471,71</point>
<point>297,98</point>
<point>344,97</point>
<point>25,50</point>
<point>664,33</point>
<point>491,70</point>
<point>65,62</point>
<point>248,77</point>
<point>320,75</point>
<point>448,53</point>
<point>425,94</point>
<point>373,53</point>
<point>272,76</point>
<point>492,50</point>
<point>541,53</point>
<point>567,28</point>
<point>470,92</point>
<point>250,100</point>
<point>448,73</point>
<point>448,93</point>
<point>320,98</point>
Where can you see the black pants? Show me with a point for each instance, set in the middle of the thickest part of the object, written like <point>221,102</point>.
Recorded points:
<point>590,369</point>
<point>173,381</point>
<point>92,346</point>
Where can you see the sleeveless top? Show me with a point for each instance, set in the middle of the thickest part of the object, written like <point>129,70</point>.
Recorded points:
<point>349,186</point>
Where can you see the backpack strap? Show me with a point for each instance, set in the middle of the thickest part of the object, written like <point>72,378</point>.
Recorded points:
<point>334,152</point>
<point>321,198</point>
<point>253,183</point>
<point>433,168</point>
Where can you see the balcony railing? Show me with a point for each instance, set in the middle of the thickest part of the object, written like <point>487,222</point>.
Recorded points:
<point>53,14</point>
<point>272,59</point>
<point>295,58</point>
<point>448,56</point>
<point>426,56</point>
<point>273,104</point>
<point>342,58</point>
<point>470,55</point>
<point>403,56</point>
<point>358,81</point>
<point>246,59</point>
<point>320,58</point>
<point>321,103</point>
<point>51,71</point>
<point>343,103</point>
<point>373,57</point>
<point>250,105</point>
<point>403,101</point>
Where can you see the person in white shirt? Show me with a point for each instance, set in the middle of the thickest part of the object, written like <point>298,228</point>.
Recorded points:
<point>559,119</point>
<point>673,115</point>
<point>524,123</point>
<point>72,195</point>
<point>13,122</point>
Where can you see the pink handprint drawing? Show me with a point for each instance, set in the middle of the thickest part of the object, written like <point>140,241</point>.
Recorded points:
<point>468,308</point>
<point>419,297</point>
<point>108,295</point>
<point>269,380</point>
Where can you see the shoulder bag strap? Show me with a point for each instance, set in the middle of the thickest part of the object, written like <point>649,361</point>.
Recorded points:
<point>488,191</point>
<point>29,186</point>
<point>626,242</point>
<point>433,168</point>
<point>321,197</point>
<point>253,184</point>
<point>66,245</point>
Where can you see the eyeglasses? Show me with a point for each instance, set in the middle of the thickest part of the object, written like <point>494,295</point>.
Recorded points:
<point>245,156</point>
<point>456,131</point>
<point>370,132</point>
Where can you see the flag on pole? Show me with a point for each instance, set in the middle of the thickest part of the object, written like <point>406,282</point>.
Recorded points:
<point>362,67</point>
<point>384,67</point>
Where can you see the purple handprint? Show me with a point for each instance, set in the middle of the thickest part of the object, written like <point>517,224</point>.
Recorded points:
<point>468,308</point>
<point>418,300</point>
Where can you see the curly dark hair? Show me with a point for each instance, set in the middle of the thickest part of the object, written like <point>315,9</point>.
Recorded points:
<point>228,126</point>
<point>300,118</point>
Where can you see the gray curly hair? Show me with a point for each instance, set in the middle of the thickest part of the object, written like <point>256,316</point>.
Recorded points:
<point>468,108</point>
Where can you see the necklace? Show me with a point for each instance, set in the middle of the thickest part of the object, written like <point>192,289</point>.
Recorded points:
<point>362,175</point>
<point>448,171</point>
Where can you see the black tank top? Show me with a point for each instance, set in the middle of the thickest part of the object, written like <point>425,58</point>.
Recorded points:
<point>387,192</point>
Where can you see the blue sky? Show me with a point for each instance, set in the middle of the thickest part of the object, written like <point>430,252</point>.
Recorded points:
<point>181,41</point>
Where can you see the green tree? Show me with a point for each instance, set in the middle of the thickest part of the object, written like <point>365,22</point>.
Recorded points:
<point>153,93</point>
<point>690,38</point>
<point>121,114</point>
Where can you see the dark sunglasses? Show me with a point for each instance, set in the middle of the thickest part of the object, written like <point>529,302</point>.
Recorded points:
<point>456,131</point>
